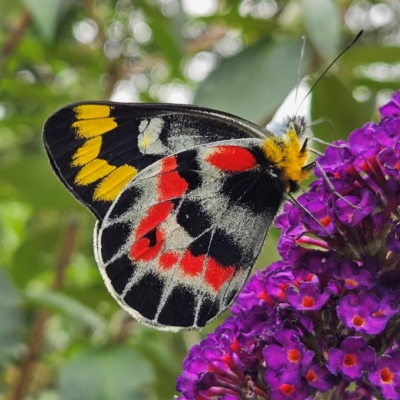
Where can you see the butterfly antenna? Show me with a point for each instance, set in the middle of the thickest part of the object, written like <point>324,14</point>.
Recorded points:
<point>321,120</point>
<point>323,142</point>
<point>330,66</point>
<point>325,120</point>
<point>303,46</point>
<point>316,152</point>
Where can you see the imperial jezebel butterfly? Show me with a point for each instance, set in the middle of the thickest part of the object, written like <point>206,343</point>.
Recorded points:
<point>183,195</point>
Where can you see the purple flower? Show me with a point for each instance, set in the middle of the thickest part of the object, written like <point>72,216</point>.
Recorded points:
<point>319,218</point>
<point>390,160</point>
<point>288,355</point>
<point>366,312</point>
<point>386,376</point>
<point>320,378</point>
<point>306,296</point>
<point>393,238</point>
<point>363,141</point>
<point>327,313</point>
<point>333,160</point>
<point>352,209</point>
<point>281,390</point>
<point>352,358</point>
<point>392,108</point>
<point>353,276</point>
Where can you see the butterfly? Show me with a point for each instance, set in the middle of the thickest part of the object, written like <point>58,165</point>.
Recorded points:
<point>183,197</point>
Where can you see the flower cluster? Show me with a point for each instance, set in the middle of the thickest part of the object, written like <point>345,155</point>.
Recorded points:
<point>324,319</point>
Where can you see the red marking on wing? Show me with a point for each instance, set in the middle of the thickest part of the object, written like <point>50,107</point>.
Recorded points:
<point>168,260</point>
<point>217,274</point>
<point>168,164</point>
<point>171,185</point>
<point>155,215</point>
<point>232,158</point>
<point>191,265</point>
<point>142,251</point>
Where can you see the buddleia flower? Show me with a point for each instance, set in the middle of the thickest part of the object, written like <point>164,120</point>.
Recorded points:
<point>324,320</point>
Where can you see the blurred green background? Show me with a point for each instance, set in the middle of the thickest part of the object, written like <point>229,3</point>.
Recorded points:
<point>61,334</point>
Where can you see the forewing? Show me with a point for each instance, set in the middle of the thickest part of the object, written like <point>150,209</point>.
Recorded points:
<point>180,240</point>
<point>97,148</point>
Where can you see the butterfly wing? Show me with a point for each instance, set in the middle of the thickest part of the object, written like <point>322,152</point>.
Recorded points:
<point>180,240</point>
<point>96,148</point>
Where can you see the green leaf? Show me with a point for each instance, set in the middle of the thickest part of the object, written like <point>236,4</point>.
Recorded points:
<point>253,83</point>
<point>269,253</point>
<point>322,23</point>
<point>13,220</point>
<point>333,101</point>
<point>45,15</point>
<point>165,37</point>
<point>375,86</point>
<point>165,350</point>
<point>113,373</point>
<point>250,27</point>
<point>32,180</point>
<point>69,307</point>
<point>32,257</point>
<point>11,317</point>
<point>364,55</point>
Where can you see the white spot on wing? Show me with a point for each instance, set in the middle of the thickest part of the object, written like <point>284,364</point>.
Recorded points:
<point>149,138</point>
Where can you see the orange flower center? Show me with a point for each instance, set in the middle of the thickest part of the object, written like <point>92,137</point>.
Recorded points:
<point>350,360</point>
<point>385,375</point>
<point>293,355</point>
<point>325,221</point>
<point>286,389</point>
<point>358,321</point>
<point>307,302</point>
<point>311,376</point>
<point>350,282</point>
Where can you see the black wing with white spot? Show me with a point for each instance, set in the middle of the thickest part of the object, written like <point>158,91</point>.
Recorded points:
<point>96,148</point>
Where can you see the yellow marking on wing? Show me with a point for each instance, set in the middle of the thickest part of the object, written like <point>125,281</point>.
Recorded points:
<point>89,128</point>
<point>87,152</point>
<point>92,172</point>
<point>146,140</point>
<point>111,186</point>
<point>285,153</point>
<point>92,111</point>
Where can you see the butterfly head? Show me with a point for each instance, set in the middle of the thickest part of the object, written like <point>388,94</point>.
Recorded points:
<point>281,127</point>
<point>287,151</point>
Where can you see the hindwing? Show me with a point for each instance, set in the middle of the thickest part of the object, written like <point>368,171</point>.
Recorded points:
<point>179,241</point>
<point>96,148</point>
